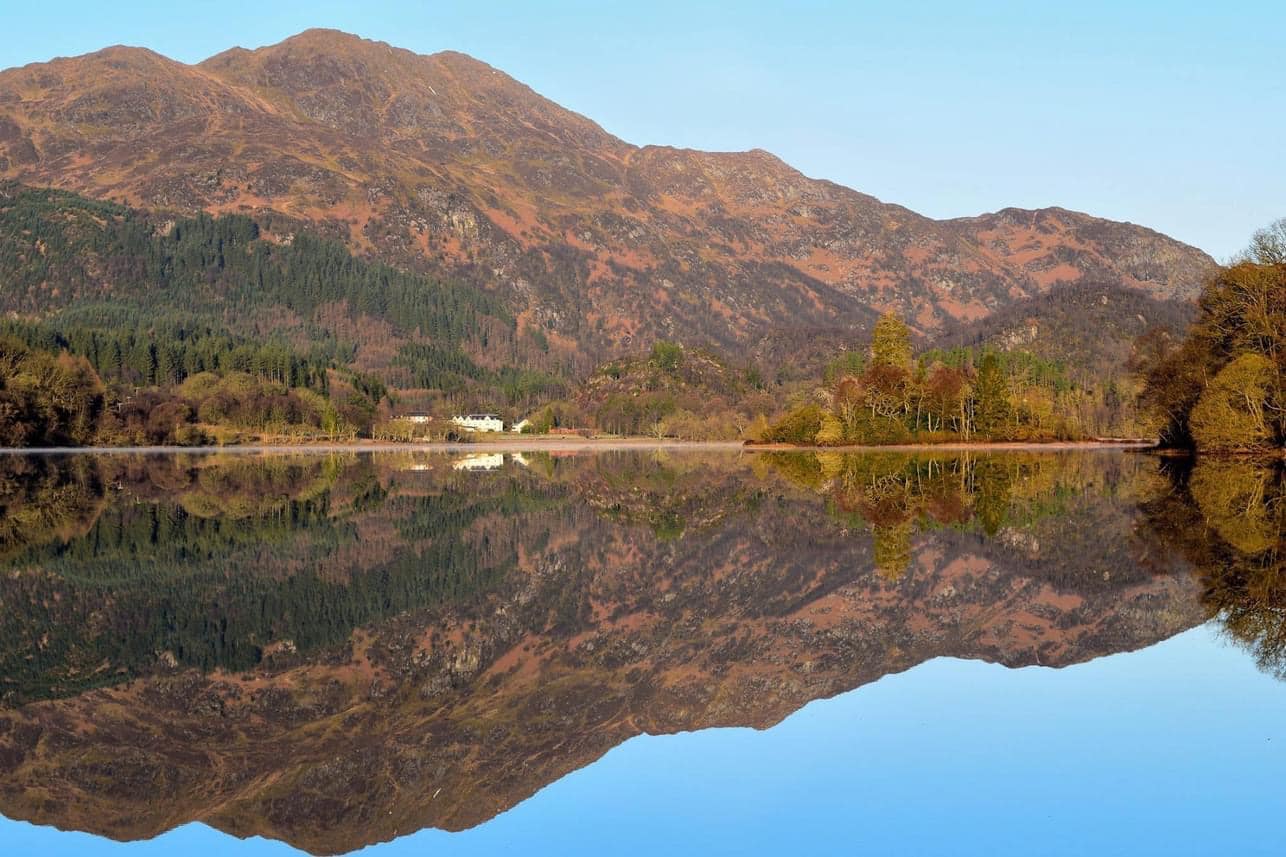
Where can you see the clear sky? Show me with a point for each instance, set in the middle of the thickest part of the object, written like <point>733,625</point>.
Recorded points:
<point>1169,113</point>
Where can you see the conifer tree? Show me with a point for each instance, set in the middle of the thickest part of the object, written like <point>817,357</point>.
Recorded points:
<point>891,343</point>
<point>991,396</point>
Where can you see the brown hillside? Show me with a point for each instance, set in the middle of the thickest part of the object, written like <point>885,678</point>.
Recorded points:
<point>441,160</point>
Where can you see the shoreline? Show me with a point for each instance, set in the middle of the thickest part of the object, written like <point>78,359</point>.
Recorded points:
<point>962,446</point>
<point>536,444</point>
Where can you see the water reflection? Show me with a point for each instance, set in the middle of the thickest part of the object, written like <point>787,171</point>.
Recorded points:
<point>339,649</point>
<point>1229,520</point>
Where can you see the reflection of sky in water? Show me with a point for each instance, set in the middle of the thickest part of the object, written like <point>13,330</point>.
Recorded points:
<point>1177,749</point>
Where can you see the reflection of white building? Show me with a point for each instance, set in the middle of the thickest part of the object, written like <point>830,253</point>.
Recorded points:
<point>480,422</point>
<point>480,461</point>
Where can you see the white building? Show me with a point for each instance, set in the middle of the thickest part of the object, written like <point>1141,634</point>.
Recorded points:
<point>517,427</point>
<point>480,422</point>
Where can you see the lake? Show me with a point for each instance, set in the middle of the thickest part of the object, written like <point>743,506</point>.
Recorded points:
<point>640,652</point>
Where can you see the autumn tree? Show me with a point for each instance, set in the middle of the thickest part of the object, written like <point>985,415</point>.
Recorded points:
<point>1232,411</point>
<point>1173,378</point>
<point>1242,314</point>
<point>831,431</point>
<point>945,391</point>
<point>848,399</point>
<point>991,408</point>
<point>886,379</point>
<point>891,343</point>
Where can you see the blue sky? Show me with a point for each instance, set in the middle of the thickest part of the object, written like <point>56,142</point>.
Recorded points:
<point>1169,114</point>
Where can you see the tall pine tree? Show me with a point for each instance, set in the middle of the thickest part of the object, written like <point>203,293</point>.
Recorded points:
<point>991,396</point>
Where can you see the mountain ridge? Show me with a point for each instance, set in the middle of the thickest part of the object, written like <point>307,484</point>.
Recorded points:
<point>441,161</point>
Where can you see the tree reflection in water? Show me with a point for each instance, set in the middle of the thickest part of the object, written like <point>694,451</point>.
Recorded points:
<point>1228,517</point>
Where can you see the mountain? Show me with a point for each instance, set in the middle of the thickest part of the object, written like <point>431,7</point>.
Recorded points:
<point>442,163</point>
<point>1090,326</point>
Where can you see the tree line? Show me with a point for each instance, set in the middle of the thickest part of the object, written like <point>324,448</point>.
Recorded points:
<point>56,398</point>
<point>58,249</point>
<point>971,394</point>
<point>150,304</point>
<point>124,347</point>
<point>1223,388</point>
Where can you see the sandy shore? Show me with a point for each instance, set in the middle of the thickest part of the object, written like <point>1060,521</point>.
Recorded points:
<point>537,444</point>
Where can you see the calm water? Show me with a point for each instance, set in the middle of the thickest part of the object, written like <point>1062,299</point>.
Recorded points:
<point>641,652</point>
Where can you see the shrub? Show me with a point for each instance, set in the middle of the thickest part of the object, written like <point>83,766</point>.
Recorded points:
<point>799,426</point>
<point>875,429</point>
<point>831,432</point>
<point>758,430</point>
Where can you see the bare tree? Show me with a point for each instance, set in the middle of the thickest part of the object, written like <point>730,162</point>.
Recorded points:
<point>1268,245</point>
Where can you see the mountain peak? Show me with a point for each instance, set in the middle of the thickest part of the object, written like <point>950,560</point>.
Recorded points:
<point>129,54</point>
<point>331,44</point>
<point>328,40</point>
<point>114,57</point>
<point>326,35</point>
<point>338,43</point>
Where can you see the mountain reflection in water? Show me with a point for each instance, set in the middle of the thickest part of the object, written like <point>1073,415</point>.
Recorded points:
<point>337,649</point>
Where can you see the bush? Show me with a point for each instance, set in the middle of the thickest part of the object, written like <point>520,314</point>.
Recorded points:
<point>831,433</point>
<point>799,426</point>
<point>876,430</point>
<point>190,435</point>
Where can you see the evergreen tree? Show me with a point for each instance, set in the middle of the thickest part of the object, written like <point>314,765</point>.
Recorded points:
<point>991,408</point>
<point>891,343</point>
